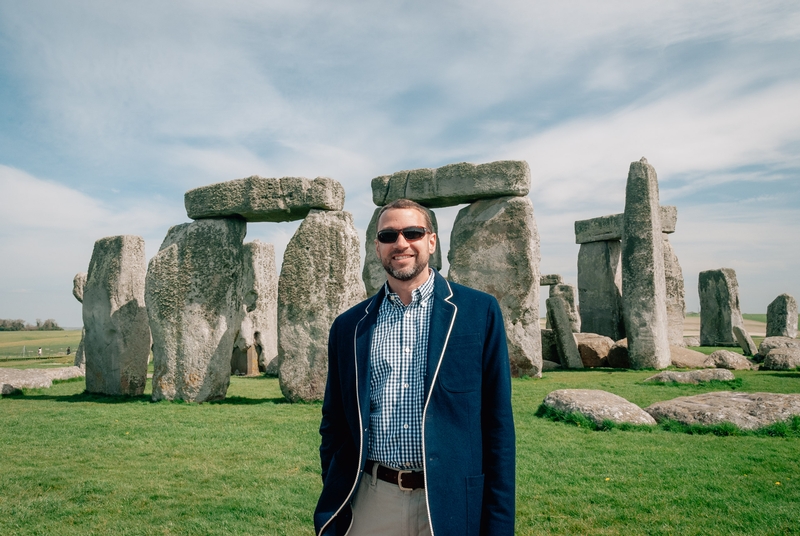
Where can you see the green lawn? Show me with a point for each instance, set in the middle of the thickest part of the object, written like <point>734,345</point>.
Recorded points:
<point>79,464</point>
<point>24,344</point>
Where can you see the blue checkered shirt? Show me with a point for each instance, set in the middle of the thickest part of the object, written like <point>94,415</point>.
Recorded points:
<point>398,359</point>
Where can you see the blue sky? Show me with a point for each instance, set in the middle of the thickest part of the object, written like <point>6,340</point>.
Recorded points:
<point>110,111</point>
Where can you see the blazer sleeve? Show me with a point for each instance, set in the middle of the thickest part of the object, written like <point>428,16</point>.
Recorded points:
<point>497,421</point>
<point>333,427</point>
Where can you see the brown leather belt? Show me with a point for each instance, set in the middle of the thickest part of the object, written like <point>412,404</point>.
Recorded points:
<point>405,480</point>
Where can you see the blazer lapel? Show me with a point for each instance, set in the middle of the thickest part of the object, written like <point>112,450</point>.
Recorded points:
<point>442,318</point>
<point>363,342</point>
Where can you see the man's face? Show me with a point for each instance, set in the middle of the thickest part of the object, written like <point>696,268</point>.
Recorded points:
<point>405,260</point>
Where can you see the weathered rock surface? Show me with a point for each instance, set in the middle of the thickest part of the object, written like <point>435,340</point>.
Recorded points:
<point>373,274</point>
<point>78,284</point>
<point>676,301</point>
<point>454,184</point>
<point>691,341</point>
<point>568,292</point>
<point>12,380</point>
<point>264,199</point>
<point>550,365</point>
<point>257,342</point>
<point>643,281</point>
<point>593,348</point>
<point>692,376</point>
<point>116,340</point>
<point>618,355</point>
<point>319,280</point>
<point>782,317</point>
<point>600,288</point>
<point>494,247</point>
<point>719,307</point>
<point>770,343</point>
<point>748,411</point>
<point>744,340</point>
<point>550,346</point>
<point>550,279</point>
<point>195,308</point>
<point>782,359</point>
<point>559,319</point>
<point>687,358</point>
<point>610,227</point>
<point>729,360</point>
<point>597,405</point>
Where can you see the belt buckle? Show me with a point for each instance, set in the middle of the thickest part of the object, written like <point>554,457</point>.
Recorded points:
<point>400,473</point>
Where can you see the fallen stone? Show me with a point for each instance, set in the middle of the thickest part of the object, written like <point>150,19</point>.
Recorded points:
<point>770,343</point>
<point>256,345</point>
<point>319,280</point>
<point>594,349</point>
<point>373,274</point>
<point>693,376</point>
<point>549,346</point>
<point>748,411</point>
<point>550,279</point>
<point>744,341</point>
<point>686,358</point>
<point>719,307</point>
<point>548,366</point>
<point>782,359</point>
<point>618,355</point>
<point>195,307</point>
<point>643,279</point>
<point>691,341</point>
<point>568,292</point>
<point>610,227</point>
<point>261,199</point>
<point>559,319</point>
<point>676,301</point>
<point>13,380</point>
<point>600,288</point>
<point>597,406</point>
<point>729,360</point>
<point>454,184</point>
<point>494,247</point>
<point>116,340</point>
<point>782,317</point>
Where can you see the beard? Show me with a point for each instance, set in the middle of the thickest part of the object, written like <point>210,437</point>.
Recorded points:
<point>408,273</point>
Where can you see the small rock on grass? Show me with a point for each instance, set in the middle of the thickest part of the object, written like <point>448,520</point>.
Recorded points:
<point>782,359</point>
<point>729,360</point>
<point>693,376</point>
<point>748,411</point>
<point>597,406</point>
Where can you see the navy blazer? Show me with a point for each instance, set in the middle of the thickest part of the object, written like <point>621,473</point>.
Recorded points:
<point>468,437</point>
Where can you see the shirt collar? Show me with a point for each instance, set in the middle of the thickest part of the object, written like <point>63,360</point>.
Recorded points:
<point>421,294</point>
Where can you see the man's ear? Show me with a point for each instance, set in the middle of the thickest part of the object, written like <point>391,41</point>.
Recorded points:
<point>432,243</point>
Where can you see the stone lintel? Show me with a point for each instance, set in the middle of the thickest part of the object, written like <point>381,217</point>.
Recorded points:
<point>610,227</point>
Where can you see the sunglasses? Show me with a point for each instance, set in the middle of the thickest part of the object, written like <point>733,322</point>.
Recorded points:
<point>411,234</point>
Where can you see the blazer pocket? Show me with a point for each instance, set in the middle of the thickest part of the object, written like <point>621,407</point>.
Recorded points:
<point>474,504</point>
<point>461,367</point>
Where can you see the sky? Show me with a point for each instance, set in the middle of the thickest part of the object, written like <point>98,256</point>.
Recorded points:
<point>111,111</point>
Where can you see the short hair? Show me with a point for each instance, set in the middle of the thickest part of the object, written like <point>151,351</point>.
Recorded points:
<point>408,204</point>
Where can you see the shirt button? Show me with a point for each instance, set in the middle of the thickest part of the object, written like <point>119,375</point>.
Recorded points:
<point>405,426</point>
<point>407,350</point>
<point>405,386</point>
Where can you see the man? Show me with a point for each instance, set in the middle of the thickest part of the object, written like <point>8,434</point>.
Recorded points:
<point>417,430</point>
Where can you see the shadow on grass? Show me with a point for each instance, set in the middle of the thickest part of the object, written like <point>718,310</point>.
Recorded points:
<point>112,399</point>
<point>779,374</point>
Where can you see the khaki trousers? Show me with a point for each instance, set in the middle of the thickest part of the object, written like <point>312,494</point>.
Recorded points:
<point>383,509</point>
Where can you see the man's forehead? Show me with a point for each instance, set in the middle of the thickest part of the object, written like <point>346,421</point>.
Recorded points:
<point>409,215</point>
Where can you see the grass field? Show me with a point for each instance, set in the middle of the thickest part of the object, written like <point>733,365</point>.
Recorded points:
<point>79,464</point>
<point>24,344</point>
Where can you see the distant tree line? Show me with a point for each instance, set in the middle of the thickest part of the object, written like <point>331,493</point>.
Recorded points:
<point>20,325</point>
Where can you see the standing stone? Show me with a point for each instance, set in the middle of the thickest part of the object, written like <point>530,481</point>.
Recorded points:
<point>117,336</point>
<point>782,317</point>
<point>643,280</point>
<point>600,288</point>
<point>568,292</point>
<point>256,346</point>
<point>454,184</point>
<point>549,346</point>
<point>78,284</point>
<point>319,280</point>
<point>557,313</point>
<point>374,275</point>
<point>676,302</point>
<point>719,307</point>
<point>745,341</point>
<point>195,308</point>
<point>494,247</point>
